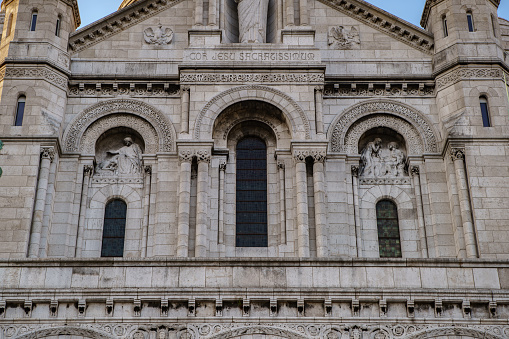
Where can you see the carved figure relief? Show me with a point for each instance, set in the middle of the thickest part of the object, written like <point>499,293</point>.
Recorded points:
<point>126,160</point>
<point>252,20</point>
<point>158,36</point>
<point>382,162</point>
<point>342,38</point>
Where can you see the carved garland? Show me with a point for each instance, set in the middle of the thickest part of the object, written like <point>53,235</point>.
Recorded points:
<point>412,137</point>
<point>341,126</point>
<point>147,131</point>
<point>159,122</point>
<point>277,95</point>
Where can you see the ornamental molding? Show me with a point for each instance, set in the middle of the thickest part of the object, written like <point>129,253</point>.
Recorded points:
<point>115,90</point>
<point>35,73</point>
<point>344,122</point>
<point>389,90</point>
<point>294,114</point>
<point>316,155</point>
<point>48,153</point>
<point>252,77</point>
<point>384,181</point>
<point>457,154</point>
<point>459,74</point>
<point>123,19</point>
<point>225,330</point>
<point>201,155</point>
<point>160,123</point>
<point>384,22</point>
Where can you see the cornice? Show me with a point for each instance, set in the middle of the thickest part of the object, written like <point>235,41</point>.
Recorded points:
<point>116,23</point>
<point>385,22</point>
<point>431,3</point>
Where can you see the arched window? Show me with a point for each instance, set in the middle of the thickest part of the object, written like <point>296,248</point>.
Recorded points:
<point>444,26</point>
<point>388,229</point>
<point>251,198</point>
<point>57,28</point>
<point>114,229</point>
<point>20,111</point>
<point>9,25</point>
<point>470,21</point>
<point>485,111</point>
<point>33,23</point>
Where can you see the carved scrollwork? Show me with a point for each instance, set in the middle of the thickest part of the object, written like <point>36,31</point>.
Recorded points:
<point>468,73</point>
<point>457,154</point>
<point>186,156</point>
<point>37,73</point>
<point>252,77</point>
<point>48,153</point>
<point>203,156</point>
<point>316,155</point>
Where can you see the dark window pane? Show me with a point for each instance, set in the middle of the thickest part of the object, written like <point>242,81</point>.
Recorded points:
<point>251,215</point>
<point>34,22</point>
<point>485,114</point>
<point>388,229</point>
<point>114,229</point>
<point>470,23</point>
<point>20,111</point>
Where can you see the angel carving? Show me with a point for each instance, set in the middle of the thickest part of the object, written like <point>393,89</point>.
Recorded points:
<point>341,38</point>
<point>158,36</point>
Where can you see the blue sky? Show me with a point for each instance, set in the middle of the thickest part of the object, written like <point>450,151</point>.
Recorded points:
<point>92,10</point>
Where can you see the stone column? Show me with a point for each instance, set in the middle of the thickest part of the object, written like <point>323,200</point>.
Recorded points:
<point>290,13</point>
<point>355,184</point>
<point>222,170</point>
<point>88,170</point>
<point>458,157</point>
<point>319,110</point>
<point>414,171</point>
<point>303,8</point>
<point>185,109</point>
<point>282,201</point>
<point>185,158</point>
<point>302,204</point>
<point>47,156</point>
<point>320,208</point>
<point>198,13</point>
<point>202,197</point>
<point>146,210</point>
<point>213,12</point>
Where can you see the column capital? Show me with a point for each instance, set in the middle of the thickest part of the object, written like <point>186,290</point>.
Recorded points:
<point>281,165</point>
<point>319,89</point>
<point>48,153</point>
<point>186,156</point>
<point>222,165</point>
<point>355,171</point>
<point>88,170</point>
<point>185,89</point>
<point>203,156</point>
<point>457,154</point>
<point>148,169</point>
<point>316,155</point>
<point>414,170</point>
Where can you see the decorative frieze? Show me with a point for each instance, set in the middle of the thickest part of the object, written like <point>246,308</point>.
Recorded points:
<point>379,90</point>
<point>301,78</point>
<point>466,74</point>
<point>316,155</point>
<point>131,90</point>
<point>34,73</point>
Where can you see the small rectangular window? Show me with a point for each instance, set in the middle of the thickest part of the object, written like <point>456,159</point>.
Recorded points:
<point>20,111</point>
<point>485,112</point>
<point>444,23</point>
<point>57,29</point>
<point>34,22</point>
<point>470,21</point>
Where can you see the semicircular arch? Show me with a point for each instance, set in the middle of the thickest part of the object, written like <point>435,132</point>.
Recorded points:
<point>342,124</point>
<point>453,331</point>
<point>65,330</point>
<point>294,114</point>
<point>158,121</point>
<point>264,330</point>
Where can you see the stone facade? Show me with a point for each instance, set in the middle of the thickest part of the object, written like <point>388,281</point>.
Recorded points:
<point>355,108</point>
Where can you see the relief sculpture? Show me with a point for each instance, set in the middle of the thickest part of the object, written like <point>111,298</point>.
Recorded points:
<point>252,20</point>
<point>158,36</point>
<point>382,162</point>
<point>126,160</point>
<point>342,38</point>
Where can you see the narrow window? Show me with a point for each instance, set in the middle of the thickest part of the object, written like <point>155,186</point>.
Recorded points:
<point>388,229</point>
<point>114,229</point>
<point>20,111</point>
<point>57,28</point>
<point>493,26</point>
<point>251,211</point>
<point>470,21</point>
<point>485,112</point>
<point>444,24</point>
<point>9,25</point>
<point>33,23</point>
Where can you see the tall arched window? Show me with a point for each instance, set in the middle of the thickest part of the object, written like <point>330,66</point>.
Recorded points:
<point>444,26</point>
<point>251,202</point>
<point>33,23</point>
<point>114,229</point>
<point>20,111</point>
<point>9,25</point>
<point>470,22</point>
<point>485,111</point>
<point>388,229</point>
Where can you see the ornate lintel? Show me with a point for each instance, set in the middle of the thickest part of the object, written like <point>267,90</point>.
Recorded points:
<point>457,154</point>
<point>414,170</point>
<point>48,153</point>
<point>355,171</point>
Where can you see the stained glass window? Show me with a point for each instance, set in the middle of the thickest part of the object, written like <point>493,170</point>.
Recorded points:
<point>114,229</point>
<point>251,216</point>
<point>388,229</point>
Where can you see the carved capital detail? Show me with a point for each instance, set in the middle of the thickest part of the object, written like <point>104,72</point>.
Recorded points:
<point>301,156</point>
<point>457,154</point>
<point>148,169</point>
<point>185,89</point>
<point>186,156</point>
<point>203,156</point>
<point>355,171</point>
<point>414,170</point>
<point>48,153</point>
<point>222,166</point>
<point>281,165</point>
<point>88,170</point>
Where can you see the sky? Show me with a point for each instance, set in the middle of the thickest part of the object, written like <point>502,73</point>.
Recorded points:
<point>92,10</point>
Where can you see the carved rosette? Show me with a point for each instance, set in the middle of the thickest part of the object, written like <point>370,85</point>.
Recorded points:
<point>48,153</point>
<point>457,154</point>
<point>355,171</point>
